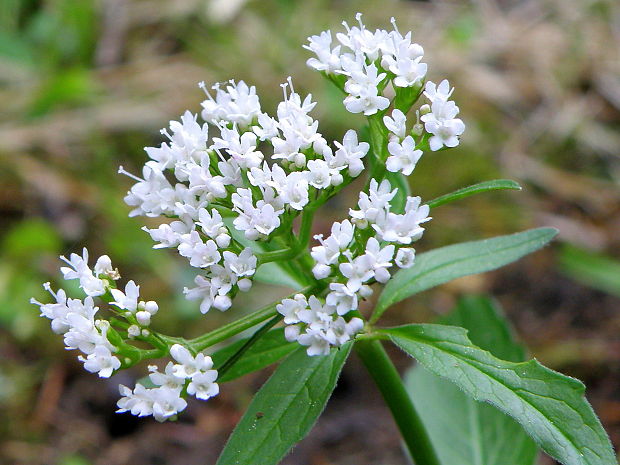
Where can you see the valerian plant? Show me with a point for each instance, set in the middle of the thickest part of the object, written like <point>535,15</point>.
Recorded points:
<point>231,210</point>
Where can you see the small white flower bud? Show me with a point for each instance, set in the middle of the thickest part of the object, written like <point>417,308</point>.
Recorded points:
<point>244,284</point>
<point>300,160</point>
<point>321,271</point>
<point>222,302</point>
<point>291,333</point>
<point>151,307</point>
<point>103,325</point>
<point>143,317</point>
<point>336,179</point>
<point>425,109</point>
<point>146,332</point>
<point>365,291</point>
<point>133,331</point>
<point>223,240</point>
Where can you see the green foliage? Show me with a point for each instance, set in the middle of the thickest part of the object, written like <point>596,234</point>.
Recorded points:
<point>462,430</point>
<point>591,269</point>
<point>494,185</point>
<point>551,407</point>
<point>29,239</point>
<point>285,408</point>
<point>267,350</point>
<point>454,261</point>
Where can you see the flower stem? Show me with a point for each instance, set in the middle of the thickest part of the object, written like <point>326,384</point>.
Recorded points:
<point>300,244</point>
<point>388,381</point>
<point>235,327</point>
<point>249,343</point>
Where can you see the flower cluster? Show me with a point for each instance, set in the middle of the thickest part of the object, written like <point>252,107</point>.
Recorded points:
<point>229,191</point>
<point>75,319</point>
<point>361,250</point>
<point>194,374</point>
<point>197,180</point>
<point>105,347</point>
<point>316,325</point>
<point>358,252</point>
<point>370,61</point>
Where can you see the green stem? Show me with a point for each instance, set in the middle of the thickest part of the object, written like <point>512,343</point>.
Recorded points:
<point>249,343</point>
<point>388,381</point>
<point>300,244</point>
<point>235,327</point>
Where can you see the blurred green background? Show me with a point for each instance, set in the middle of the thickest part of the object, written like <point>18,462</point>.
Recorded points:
<point>85,85</point>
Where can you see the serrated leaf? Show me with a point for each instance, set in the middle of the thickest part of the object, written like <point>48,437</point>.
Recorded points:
<point>285,408</point>
<point>494,185</point>
<point>454,261</point>
<point>267,350</point>
<point>462,430</point>
<point>550,407</point>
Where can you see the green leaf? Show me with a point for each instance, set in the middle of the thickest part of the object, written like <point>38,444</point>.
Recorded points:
<point>278,274</point>
<point>551,407</point>
<point>591,269</point>
<point>285,408</point>
<point>462,430</point>
<point>267,350</point>
<point>454,261</point>
<point>495,185</point>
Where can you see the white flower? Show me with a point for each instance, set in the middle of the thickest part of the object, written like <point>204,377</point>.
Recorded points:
<point>243,264</point>
<point>381,259</point>
<point>138,401</point>
<point>204,291</point>
<point>316,341</point>
<point>438,92</point>
<point>103,265</point>
<point>167,379</point>
<point>295,191</point>
<point>396,124</point>
<point>200,254</point>
<point>59,311</point>
<point>152,196</point>
<point>443,124</point>
<point>341,297</point>
<point>403,157</point>
<point>289,308</point>
<point>405,258</point>
<point>189,365</point>
<point>166,403</point>
<point>327,59</point>
<point>237,104</point>
<point>340,332</point>
<point>127,300</point>
<point>241,147</point>
<point>363,92</point>
<point>101,361</point>
<point>203,385</point>
<point>78,269</point>
<point>373,205</point>
<point>406,228</point>
<point>358,271</point>
<point>168,235</point>
<point>352,152</point>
